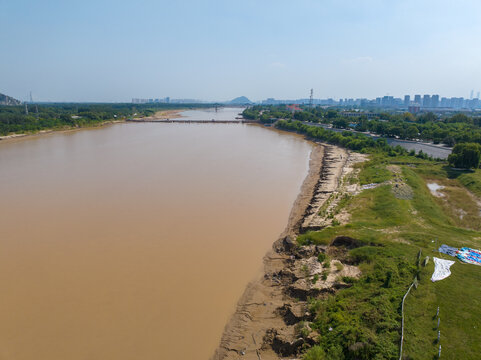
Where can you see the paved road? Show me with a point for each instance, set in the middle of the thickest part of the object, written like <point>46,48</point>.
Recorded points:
<point>435,151</point>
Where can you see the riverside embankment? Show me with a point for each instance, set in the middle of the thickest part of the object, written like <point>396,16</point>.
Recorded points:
<point>266,322</point>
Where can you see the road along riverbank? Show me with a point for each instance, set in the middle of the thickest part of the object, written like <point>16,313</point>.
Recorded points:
<point>270,313</point>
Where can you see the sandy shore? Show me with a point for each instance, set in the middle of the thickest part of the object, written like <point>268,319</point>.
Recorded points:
<point>259,329</point>
<point>165,114</point>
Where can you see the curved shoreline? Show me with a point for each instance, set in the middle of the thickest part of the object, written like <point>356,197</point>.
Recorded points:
<point>235,338</point>
<point>257,312</point>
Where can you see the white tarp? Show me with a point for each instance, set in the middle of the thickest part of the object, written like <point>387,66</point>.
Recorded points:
<point>441,269</point>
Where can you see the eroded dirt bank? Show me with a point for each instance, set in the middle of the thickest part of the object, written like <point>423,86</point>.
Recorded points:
<point>270,314</point>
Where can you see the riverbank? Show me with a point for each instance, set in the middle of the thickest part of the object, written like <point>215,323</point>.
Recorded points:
<point>268,315</point>
<point>160,115</point>
<point>13,137</point>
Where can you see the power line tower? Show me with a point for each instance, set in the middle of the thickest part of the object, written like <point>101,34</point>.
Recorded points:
<point>31,98</point>
<point>26,108</point>
<point>311,98</point>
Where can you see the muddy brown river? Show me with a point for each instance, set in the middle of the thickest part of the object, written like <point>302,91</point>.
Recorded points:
<point>135,241</point>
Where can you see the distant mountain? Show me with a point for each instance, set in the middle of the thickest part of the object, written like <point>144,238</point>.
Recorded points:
<point>7,100</point>
<point>241,100</point>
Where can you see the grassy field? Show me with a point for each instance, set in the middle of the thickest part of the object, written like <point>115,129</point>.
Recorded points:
<point>363,321</point>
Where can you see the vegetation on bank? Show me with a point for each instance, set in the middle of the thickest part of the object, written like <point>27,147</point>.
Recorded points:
<point>396,234</point>
<point>14,119</point>
<point>363,321</point>
<point>450,130</point>
<point>347,139</point>
<point>466,156</point>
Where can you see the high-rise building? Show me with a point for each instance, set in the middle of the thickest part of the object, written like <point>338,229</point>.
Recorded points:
<point>387,100</point>
<point>407,100</point>
<point>426,100</point>
<point>417,99</point>
<point>457,103</point>
<point>435,101</point>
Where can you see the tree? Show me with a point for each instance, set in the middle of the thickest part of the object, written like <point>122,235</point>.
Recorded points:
<point>331,114</point>
<point>407,116</point>
<point>449,141</point>
<point>428,117</point>
<point>460,118</point>
<point>412,132</point>
<point>465,156</point>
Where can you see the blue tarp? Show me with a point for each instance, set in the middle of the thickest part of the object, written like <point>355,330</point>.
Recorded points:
<point>448,250</point>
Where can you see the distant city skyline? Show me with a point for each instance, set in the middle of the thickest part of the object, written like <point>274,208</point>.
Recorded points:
<point>113,51</point>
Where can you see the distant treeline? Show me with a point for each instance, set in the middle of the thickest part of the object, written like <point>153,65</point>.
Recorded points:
<point>14,119</point>
<point>465,155</point>
<point>458,128</point>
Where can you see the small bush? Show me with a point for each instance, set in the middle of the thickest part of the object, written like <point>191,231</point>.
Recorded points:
<point>321,257</point>
<point>305,270</point>
<point>339,266</point>
<point>324,275</point>
<point>348,279</point>
<point>315,353</point>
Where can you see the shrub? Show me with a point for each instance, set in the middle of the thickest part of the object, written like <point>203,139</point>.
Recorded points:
<point>324,275</point>
<point>321,257</point>
<point>315,353</point>
<point>466,156</point>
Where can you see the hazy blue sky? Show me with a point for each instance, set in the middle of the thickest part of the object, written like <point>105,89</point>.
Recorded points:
<point>113,50</point>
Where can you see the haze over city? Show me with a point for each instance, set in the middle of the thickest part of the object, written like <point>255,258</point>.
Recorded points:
<point>213,50</point>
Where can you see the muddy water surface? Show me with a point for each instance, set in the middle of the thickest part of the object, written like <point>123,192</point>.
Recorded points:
<point>135,241</point>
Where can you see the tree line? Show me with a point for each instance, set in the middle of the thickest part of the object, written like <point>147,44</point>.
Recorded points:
<point>14,119</point>
<point>450,130</point>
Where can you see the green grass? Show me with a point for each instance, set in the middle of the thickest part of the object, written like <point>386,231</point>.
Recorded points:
<point>374,171</point>
<point>472,181</point>
<point>365,318</point>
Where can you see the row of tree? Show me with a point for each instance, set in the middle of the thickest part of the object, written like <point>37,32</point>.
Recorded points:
<point>458,128</point>
<point>347,139</point>
<point>15,119</point>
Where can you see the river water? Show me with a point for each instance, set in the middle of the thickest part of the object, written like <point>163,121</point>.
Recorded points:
<point>135,241</point>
